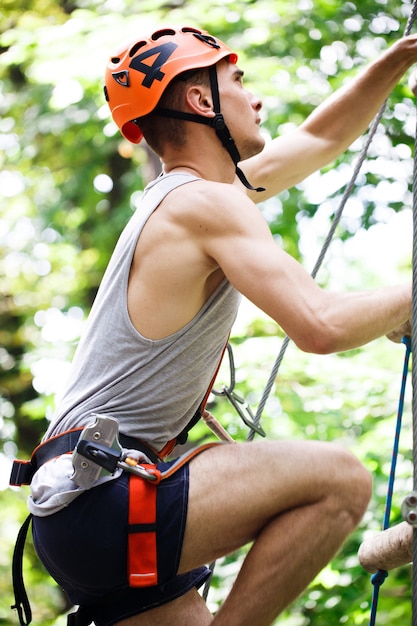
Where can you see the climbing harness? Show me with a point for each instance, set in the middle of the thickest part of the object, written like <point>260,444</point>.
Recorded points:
<point>97,452</point>
<point>23,471</point>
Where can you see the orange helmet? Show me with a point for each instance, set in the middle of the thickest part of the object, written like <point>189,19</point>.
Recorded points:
<point>138,74</point>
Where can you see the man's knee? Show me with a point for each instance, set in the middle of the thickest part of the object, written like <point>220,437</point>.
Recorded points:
<point>187,610</point>
<point>355,483</point>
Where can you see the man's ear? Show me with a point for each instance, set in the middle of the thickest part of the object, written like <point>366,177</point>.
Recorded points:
<point>199,100</point>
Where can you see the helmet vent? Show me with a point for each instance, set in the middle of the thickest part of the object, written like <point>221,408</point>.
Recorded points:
<point>208,39</point>
<point>115,60</point>
<point>188,29</point>
<point>162,33</point>
<point>136,47</point>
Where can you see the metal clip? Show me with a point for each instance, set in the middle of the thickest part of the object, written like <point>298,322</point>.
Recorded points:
<point>238,402</point>
<point>409,509</point>
<point>99,454</point>
<point>244,411</point>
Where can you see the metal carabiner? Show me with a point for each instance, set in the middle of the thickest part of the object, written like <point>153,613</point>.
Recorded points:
<point>238,402</point>
<point>244,411</point>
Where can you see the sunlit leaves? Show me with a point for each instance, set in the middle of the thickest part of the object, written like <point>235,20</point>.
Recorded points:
<point>69,182</point>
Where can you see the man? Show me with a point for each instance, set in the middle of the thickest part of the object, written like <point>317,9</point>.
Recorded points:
<point>156,333</point>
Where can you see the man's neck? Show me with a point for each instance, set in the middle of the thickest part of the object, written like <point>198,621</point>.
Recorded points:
<point>204,162</point>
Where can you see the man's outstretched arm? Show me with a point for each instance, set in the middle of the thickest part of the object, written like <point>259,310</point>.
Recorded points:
<point>333,125</point>
<point>233,232</point>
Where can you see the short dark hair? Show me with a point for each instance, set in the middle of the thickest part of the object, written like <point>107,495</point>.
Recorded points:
<point>159,130</point>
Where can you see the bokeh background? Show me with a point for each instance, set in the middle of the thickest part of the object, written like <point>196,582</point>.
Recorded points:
<point>69,182</point>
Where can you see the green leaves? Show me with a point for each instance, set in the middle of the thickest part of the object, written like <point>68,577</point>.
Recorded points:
<point>58,226</point>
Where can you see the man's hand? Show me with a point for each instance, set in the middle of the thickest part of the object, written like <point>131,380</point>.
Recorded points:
<point>402,331</point>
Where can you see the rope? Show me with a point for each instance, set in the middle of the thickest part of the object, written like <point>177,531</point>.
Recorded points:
<point>377,580</point>
<point>411,19</point>
<point>323,252</point>
<point>380,576</point>
<point>414,370</point>
<point>410,22</point>
<point>411,346</point>
<point>388,505</point>
<point>335,223</point>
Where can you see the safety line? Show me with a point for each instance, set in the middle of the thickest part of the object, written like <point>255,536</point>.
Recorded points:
<point>414,375</point>
<point>380,576</point>
<point>324,249</point>
<point>328,240</point>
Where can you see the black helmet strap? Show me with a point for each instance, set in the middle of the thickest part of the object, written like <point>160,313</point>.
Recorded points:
<point>217,122</point>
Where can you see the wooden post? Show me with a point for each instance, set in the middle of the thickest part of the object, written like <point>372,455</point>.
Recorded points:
<point>389,549</point>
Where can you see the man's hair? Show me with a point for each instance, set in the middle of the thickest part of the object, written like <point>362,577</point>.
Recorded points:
<point>159,130</point>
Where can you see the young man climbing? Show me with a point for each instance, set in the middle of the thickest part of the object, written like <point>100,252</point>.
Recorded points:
<point>156,333</point>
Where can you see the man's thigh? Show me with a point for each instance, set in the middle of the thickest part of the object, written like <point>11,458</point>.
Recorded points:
<point>236,489</point>
<point>188,610</point>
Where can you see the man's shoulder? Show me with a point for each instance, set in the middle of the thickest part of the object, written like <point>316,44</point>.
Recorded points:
<point>205,208</point>
<point>211,198</point>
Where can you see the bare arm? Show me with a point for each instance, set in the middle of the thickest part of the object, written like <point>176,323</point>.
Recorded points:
<point>238,239</point>
<point>332,127</point>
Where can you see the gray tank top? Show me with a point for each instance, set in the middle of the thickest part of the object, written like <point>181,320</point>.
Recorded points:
<point>152,387</point>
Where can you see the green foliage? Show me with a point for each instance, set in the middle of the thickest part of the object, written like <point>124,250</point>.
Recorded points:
<point>69,182</point>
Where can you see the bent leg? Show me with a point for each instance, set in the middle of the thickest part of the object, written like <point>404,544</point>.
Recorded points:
<point>188,610</point>
<point>297,501</point>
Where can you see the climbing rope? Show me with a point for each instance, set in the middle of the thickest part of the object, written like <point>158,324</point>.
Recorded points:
<point>320,258</point>
<point>328,240</point>
<point>414,365</point>
<point>380,576</point>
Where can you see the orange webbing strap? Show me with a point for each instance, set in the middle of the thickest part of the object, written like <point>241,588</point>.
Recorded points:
<point>211,385</point>
<point>187,456</point>
<point>142,542</point>
<point>142,554</point>
<point>167,449</point>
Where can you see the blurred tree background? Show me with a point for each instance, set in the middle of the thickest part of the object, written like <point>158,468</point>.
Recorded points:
<point>69,182</point>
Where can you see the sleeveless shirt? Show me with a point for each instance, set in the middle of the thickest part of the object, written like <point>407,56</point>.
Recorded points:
<point>153,387</point>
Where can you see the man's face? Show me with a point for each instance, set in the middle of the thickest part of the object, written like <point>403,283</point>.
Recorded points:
<point>240,109</point>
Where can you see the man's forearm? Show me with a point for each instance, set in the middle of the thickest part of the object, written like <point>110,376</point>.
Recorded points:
<point>354,319</point>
